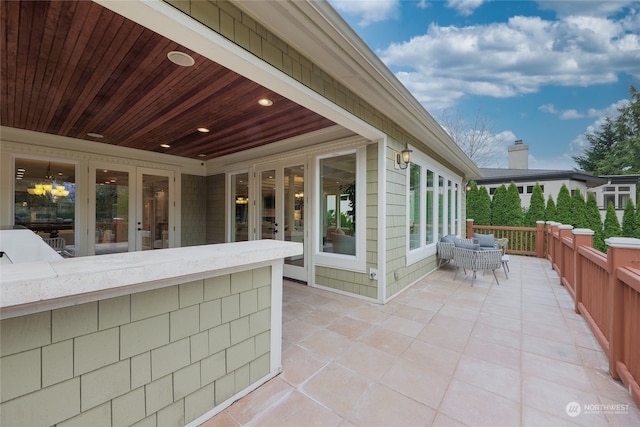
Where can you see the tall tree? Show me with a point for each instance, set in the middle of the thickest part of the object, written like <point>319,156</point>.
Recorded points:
<point>499,210</point>
<point>563,206</point>
<point>514,207</point>
<point>536,209</point>
<point>578,208</point>
<point>472,201</point>
<point>550,212</point>
<point>475,137</point>
<point>615,147</point>
<point>637,232</point>
<point>484,207</point>
<point>594,222</point>
<point>602,141</point>
<point>611,223</point>
<point>625,155</point>
<point>629,220</point>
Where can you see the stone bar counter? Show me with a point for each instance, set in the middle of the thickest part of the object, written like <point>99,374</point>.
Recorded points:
<point>164,337</point>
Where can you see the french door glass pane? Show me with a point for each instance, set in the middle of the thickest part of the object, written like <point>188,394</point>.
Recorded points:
<point>155,212</point>
<point>268,224</point>
<point>45,199</point>
<point>338,211</point>
<point>112,211</point>
<point>294,210</point>
<point>240,219</point>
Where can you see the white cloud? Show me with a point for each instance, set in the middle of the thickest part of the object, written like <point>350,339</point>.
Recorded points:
<point>609,111</point>
<point>515,58</point>
<point>464,7</point>
<point>548,108</point>
<point>570,114</point>
<point>370,11</point>
<point>585,8</point>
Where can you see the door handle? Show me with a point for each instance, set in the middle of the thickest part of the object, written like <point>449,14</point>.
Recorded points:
<point>139,229</point>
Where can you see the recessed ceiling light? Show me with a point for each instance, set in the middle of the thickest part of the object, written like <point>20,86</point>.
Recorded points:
<point>95,135</point>
<point>202,155</point>
<point>265,102</point>
<point>203,130</point>
<point>180,58</point>
<point>165,145</point>
<point>22,170</point>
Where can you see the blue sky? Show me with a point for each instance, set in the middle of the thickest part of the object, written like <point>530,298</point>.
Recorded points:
<point>545,72</point>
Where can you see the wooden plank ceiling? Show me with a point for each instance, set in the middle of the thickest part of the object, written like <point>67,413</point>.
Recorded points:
<point>72,68</point>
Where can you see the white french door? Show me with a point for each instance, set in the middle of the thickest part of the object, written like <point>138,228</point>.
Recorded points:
<point>154,209</point>
<point>280,211</point>
<point>130,209</point>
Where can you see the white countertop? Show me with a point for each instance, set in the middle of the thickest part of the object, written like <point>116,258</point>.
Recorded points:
<point>106,276</point>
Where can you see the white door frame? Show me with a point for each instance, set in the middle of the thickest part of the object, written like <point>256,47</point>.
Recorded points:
<point>290,271</point>
<point>91,217</point>
<point>171,200</point>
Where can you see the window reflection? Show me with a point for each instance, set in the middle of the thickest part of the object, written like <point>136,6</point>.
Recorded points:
<point>338,207</point>
<point>45,199</point>
<point>414,206</point>
<point>240,198</point>
<point>112,212</point>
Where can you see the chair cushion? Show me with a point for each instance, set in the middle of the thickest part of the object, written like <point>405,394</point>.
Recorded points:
<point>449,238</point>
<point>467,245</point>
<point>485,240</point>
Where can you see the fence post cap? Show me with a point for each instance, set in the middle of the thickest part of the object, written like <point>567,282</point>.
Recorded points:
<point>539,222</point>
<point>565,227</point>
<point>552,223</point>
<point>623,242</point>
<point>469,219</point>
<point>583,231</point>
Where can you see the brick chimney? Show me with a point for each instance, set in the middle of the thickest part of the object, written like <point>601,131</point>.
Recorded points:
<point>519,155</point>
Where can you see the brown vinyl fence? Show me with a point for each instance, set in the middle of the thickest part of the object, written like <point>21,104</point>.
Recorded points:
<point>606,292</point>
<point>528,241</point>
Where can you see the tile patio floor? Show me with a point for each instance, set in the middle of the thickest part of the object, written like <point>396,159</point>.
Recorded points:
<point>443,353</point>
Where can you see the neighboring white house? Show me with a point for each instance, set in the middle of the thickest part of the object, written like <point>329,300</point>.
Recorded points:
<point>525,179</point>
<point>617,190</point>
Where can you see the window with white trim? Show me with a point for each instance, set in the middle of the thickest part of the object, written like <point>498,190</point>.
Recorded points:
<point>342,217</point>
<point>433,207</point>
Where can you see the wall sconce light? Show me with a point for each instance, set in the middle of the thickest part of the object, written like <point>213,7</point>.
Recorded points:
<point>404,157</point>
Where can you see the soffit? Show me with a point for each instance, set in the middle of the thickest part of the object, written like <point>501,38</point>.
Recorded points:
<point>71,68</point>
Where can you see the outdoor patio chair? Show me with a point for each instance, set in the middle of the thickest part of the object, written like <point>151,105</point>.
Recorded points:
<point>445,248</point>
<point>477,260</point>
<point>59,244</point>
